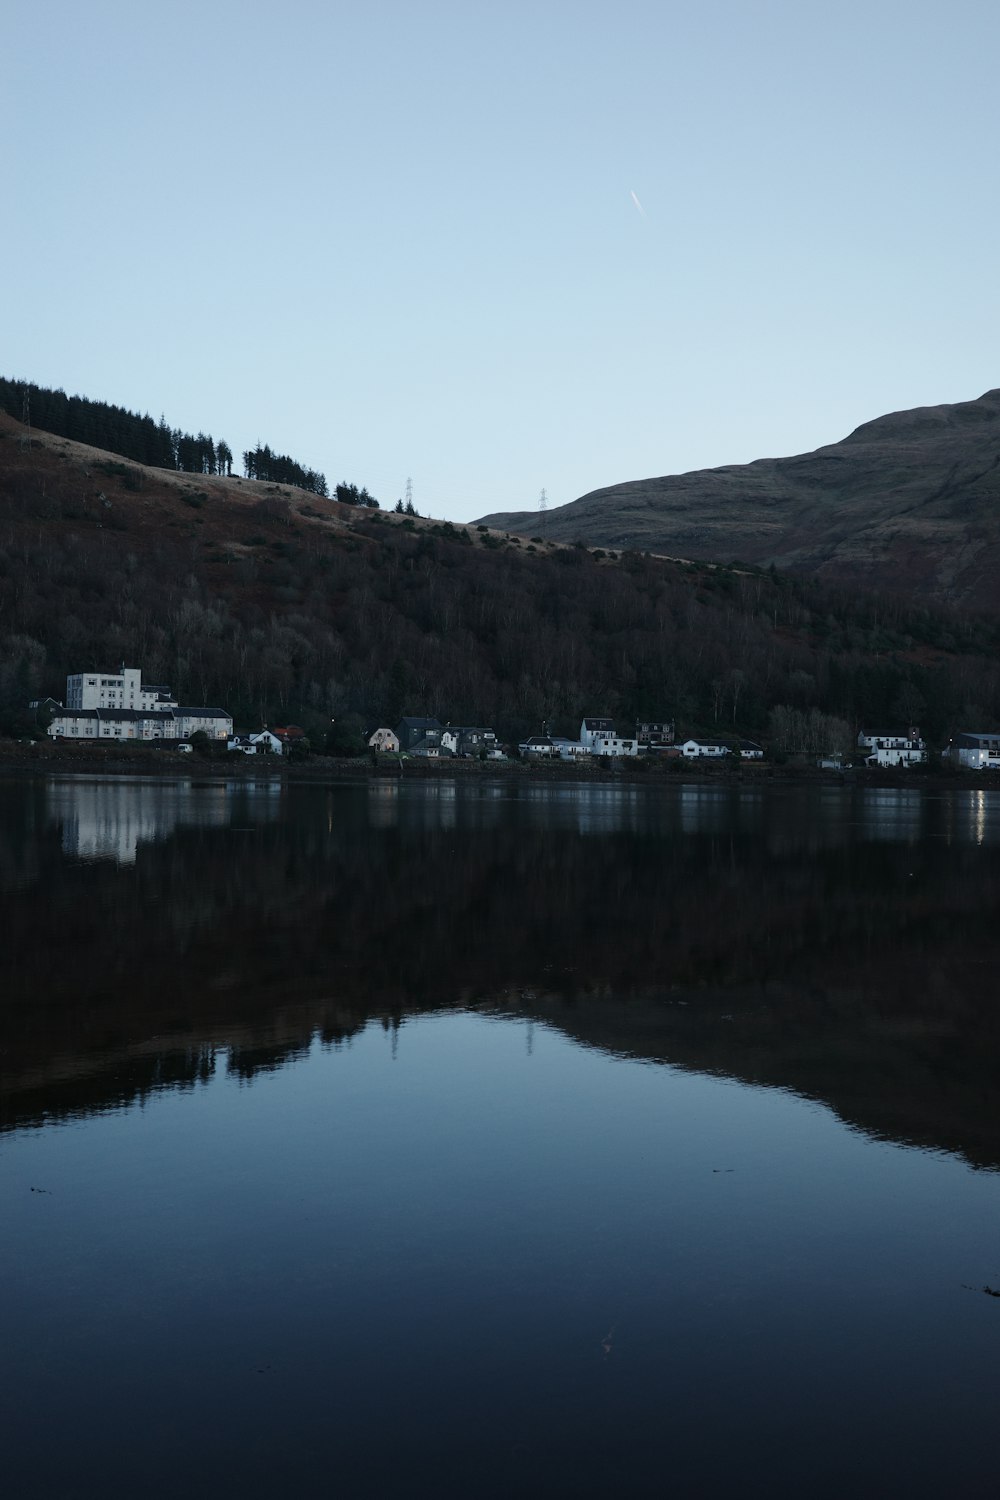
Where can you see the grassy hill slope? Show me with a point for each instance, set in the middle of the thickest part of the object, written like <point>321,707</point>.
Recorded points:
<point>909,502</point>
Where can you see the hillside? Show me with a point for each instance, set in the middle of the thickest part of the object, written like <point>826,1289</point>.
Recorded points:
<point>909,502</point>
<point>281,604</point>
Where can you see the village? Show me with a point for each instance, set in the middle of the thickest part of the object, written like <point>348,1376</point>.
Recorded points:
<point>109,708</point>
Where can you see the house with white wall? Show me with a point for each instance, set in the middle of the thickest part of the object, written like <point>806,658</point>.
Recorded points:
<point>109,706</point>
<point>602,738</point>
<point>123,689</point>
<point>975,751</point>
<point>541,745</point>
<point>263,742</point>
<point>705,749</point>
<point>384,741</point>
<point>571,750</point>
<point>893,749</point>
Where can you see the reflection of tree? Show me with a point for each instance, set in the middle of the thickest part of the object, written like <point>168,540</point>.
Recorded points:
<point>834,959</point>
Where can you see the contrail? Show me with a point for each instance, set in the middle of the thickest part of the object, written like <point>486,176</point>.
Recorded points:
<point>637,203</point>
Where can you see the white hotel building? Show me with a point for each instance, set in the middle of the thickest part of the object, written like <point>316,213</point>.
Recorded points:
<point>119,706</point>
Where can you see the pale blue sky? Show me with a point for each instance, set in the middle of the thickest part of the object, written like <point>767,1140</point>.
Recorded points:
<point>397,239</point>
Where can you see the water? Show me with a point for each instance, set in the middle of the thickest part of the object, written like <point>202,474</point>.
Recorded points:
<point>469,1139</point>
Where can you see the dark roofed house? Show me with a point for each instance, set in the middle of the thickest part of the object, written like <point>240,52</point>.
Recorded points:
<point>976,749</point>
<point>410,730</point>
<point>539,744</point>
<point>431,748</point>
<point>468,739</point>
<point>654,735</point>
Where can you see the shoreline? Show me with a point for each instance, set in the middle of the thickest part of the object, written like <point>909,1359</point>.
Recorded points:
<point>17,760</point>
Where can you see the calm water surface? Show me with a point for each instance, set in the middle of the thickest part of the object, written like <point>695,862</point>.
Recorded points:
<point>482,1140</point>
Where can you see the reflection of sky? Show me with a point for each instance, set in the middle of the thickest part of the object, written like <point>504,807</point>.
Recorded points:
<point>488,1223</point>
<point>108,819</point>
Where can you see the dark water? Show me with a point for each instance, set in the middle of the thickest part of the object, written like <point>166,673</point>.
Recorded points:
<point>463,1140</point>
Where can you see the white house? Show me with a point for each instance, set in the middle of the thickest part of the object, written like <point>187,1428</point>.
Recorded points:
<point>600,737</point>
<point>214,722</point>
<point>977,752</point>
<point>591,730</point>
<point>540,745</point>
<point>712,749</point>
<point>261,743</point>
<point>125,689</point>
<point>384,741</point>
<point>893,749</point>
<point>571,750</point>
<point>118,706</point>
<point>111,724</point>
<point>749,750</point>
<point>613,744</point>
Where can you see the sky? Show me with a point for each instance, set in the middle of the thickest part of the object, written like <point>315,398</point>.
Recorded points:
<point>497,248</point>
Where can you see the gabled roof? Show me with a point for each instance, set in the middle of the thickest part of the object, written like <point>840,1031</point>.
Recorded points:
<point>412,722</point>
<point>198,713</point>
<point>426,744</point>
<point>608,725</point>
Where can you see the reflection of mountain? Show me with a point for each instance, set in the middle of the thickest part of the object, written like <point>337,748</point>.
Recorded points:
<point>838,943</point>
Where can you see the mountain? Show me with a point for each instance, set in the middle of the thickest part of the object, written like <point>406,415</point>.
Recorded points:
<point>284,605</point>
<point>909,502</point>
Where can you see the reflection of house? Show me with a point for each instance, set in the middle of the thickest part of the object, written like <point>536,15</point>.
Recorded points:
<point>978,752</point>
<point>893,749</point>
<point>410,730</point>
<point>261,743</point>
<point>710,749</point>
<point>110,820</point>
<point>120,707</point>
<point>384,741</point>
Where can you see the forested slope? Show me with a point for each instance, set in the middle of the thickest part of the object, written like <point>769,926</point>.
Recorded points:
<point>282,604</point>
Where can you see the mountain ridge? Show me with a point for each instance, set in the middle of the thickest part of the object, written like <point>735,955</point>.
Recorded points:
<point>909,502</point>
